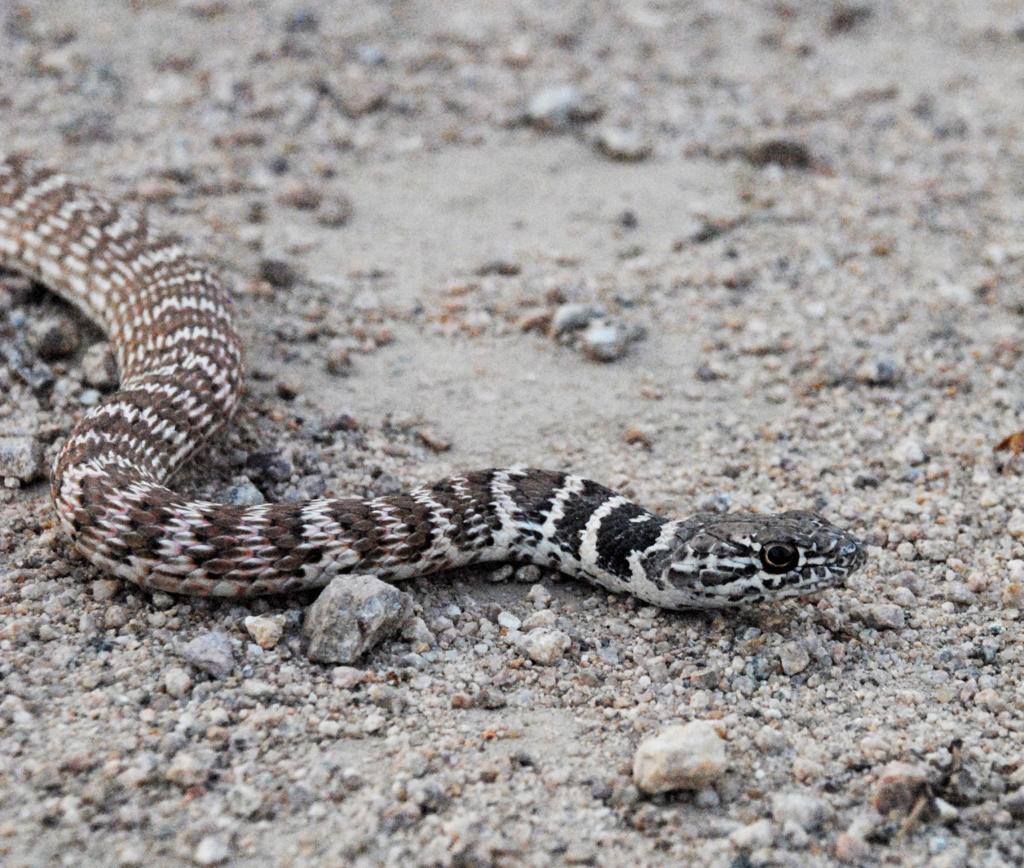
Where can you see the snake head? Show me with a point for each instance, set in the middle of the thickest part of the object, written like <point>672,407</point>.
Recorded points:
<point>718,561</point>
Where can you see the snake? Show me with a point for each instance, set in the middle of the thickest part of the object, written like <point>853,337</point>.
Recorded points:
<point>168,317</point>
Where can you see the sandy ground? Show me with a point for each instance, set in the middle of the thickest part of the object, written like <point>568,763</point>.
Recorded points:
<point>829,323</point>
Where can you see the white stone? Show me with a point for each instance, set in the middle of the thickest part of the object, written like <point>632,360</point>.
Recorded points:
<point>545,645</point>
<point>686,757</point>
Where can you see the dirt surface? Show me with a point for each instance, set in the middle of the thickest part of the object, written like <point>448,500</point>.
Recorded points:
<point>807,219</point>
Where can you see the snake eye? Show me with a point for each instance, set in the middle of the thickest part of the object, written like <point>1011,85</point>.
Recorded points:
<point>779,557</point>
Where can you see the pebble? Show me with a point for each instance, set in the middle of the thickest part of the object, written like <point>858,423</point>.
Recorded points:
<point>807,811</point>
<point>574,316</point>
<point>244,493</point>
<point>885,616</point>
<point>20,458</point>
<point>301,196</point>
<point>545,645</point>
<point>910,452</point>
<point>898,787</point>
<point>187,769</point>
<point>265,632</point>
<point>346,677</point>
<point>787,153</point>
<point>542,618</point>
<point>99,369</point>
<point>335,211</point>
<point>104,589</point>
<point>687,757</point>
<point>351,616</point>
<point>753,836</point>
<point>622,144</point>
<point>605,340</point>
<point>212,653</point>
<point>177,682</point>
<point>212,850</point>
<point>509,621</point>
<point>55,337</point>
<point>1014,803</point>
<point>278,273</point>
<point>556,107</point>
<point>794,658</point>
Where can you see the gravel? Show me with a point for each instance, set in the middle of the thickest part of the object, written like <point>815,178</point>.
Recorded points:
<point>822,246</point>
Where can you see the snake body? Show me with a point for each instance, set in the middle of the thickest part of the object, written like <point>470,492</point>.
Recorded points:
<point>169,320</point>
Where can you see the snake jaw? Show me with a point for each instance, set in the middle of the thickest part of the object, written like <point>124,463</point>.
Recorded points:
<point>721,561</point>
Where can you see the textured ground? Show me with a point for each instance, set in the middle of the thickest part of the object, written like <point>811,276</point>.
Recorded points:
<point>831,321</point>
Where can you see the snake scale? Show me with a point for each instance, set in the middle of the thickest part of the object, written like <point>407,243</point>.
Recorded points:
<point>168,318</point>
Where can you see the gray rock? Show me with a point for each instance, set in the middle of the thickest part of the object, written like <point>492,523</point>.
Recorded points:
<point>55,338</point>
<point>544,645</point>
<point>177,682</point>
<point>885,616</point>
<point>805,810</point>
<point>556,107</point>
<point>687,757</point>
<point>605,340</point>
<point>794,658</point>
<point>98,366</point>
<point>212,653</point>
<point>622,144</point>
<point>20,458</point>
<point>212,850</point>
<point>351,616</point>
<point>573,316</point>
<point>244,493</point>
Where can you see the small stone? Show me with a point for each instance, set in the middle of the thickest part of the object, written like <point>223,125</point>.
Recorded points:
<point>543,618</point>
<point>346,677</point>
<point>55,338</point>
<point>418,634</point>
<point>177,682</point>
<point>335,211</point>
<point>805,810</point>
<point>499,267</point>
<point>509,621</point>
<point>885,616</point>
<point>571,317</point>
<point>753,836</point>
<point>851,849</point>
<point>187,770</point>
<point>213,653</point>
<point>265,632</point>
<point>556,107</point>
<point>339,358</point>
<point>99,369</point>
<point>622,144</point>
<point>786,153</point>
<point>794,658</point>
<point>374,722</point>
<point>244,493</point>
<point>301,195</point>
<point>604,340</point>
<point>115,617</point>
<point>278,273</point>
<point>1014,803</point>
<point>910,452</point>
<point>20,458</point>
<point>545,645</point>
<point>351,616</point>
<point>104,589</point>
<point>687,757</point>
<point>212,850</point>
<point>898,787</point>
